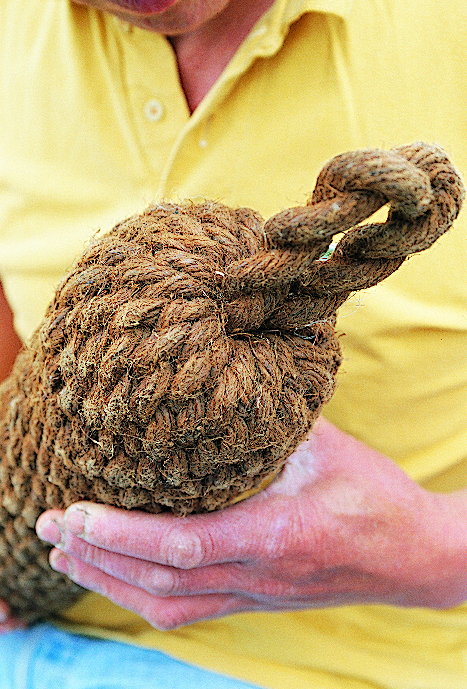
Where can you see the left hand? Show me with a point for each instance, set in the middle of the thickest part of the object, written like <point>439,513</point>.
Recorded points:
<point>8,623</point>
<point>342,524</point>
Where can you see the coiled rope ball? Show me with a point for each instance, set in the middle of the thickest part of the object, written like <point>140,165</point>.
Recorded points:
<point>189,351</point>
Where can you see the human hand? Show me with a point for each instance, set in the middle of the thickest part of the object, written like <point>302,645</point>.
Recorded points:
<point>342,524</point>
<point>7,622</point>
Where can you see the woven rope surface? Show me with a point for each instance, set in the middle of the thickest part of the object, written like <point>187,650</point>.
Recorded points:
<point>189,351</point>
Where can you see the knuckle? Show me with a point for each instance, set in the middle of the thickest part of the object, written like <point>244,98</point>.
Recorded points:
<point>187,549</point>
<point>93,556</point>
<point>165,582</point>
<point>165,619</point>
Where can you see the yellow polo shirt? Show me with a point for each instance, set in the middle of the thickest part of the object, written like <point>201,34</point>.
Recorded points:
<point>94,126</point>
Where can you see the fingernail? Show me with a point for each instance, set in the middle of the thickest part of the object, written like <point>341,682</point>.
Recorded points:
<point>75,520</point>
<point>59,562</point>
<point>49,531</point>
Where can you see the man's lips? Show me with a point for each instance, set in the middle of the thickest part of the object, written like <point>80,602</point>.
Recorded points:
<point>143,7</point>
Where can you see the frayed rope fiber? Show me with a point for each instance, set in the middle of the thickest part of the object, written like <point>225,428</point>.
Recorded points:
<point>189,351</point>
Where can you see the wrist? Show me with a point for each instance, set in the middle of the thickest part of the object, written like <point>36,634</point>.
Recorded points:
<point>447,529</point>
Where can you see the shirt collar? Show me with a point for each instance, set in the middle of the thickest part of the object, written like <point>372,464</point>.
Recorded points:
<point>295,8</point>
<point>275,23</point>
<point>268,35</point>
<point>266,39</point>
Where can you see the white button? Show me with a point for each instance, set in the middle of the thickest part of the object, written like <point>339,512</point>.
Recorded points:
<point>124,26</point>
<point>154,110</point>
<point>259,31</point>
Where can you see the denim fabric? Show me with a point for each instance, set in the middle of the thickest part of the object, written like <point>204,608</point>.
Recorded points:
<point>47,658</point>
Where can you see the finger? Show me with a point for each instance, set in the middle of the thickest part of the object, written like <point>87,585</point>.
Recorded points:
<point>235,534</point>
<point>49,526</point>
<point>4,612</point>
<point>12,624</point>
<point>160,580</point>
<point>163,613</point>
<point>155,579</point>
<point>7,622</point>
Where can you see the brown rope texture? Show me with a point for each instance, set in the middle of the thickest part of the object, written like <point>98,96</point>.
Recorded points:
<point>189,351</point>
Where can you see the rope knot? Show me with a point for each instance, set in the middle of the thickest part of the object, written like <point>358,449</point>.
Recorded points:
<point>190,349</point>
<point>424,193</point>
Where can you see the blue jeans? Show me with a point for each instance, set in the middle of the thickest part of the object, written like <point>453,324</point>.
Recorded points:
<point>44,657</point>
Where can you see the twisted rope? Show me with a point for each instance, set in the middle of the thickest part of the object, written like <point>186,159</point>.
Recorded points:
<point>189,351</point>
<point>424,193</point>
